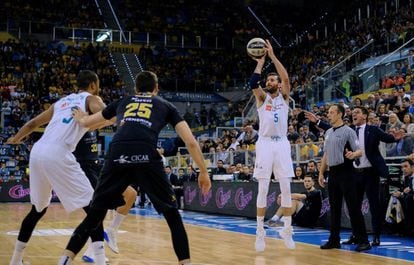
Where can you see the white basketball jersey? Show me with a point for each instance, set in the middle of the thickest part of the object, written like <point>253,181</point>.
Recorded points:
<point>273,117</point>
<point>62,129</point>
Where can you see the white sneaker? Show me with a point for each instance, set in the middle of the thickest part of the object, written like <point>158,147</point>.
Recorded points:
<point>110,238</point>
<point>260,240</point>
<point>286,234</point>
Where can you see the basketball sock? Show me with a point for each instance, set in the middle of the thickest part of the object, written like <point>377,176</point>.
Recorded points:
<point>65,260</point>
<point>287,220</point>
<point>184,262</point>
<point>116,222</point>
<point>18,252</point>
<point>260,221</point>
<point>89,250</point>
<point>275,218</point>
<point>99,252</point>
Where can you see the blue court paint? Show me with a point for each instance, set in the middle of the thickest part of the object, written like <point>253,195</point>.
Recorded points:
<point>391,246</point>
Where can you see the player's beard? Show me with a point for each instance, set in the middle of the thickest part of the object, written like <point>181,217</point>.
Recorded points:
<point>272,89</point>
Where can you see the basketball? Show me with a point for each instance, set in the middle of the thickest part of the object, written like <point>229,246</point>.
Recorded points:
<point>255,47</point>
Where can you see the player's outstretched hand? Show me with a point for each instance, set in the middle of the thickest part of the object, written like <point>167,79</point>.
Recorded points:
<point>204,183</point>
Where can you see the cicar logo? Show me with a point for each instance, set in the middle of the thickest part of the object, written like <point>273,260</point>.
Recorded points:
<point>222,198</point>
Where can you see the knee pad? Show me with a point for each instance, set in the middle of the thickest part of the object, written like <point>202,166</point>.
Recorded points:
<point>263,189</point>
<point>286,200</point>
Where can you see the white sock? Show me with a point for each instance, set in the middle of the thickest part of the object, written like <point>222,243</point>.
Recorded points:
<point>287,220</point>
<point>260,221</point>
<point>99,252</point>
<point>65,260</point>
<point>275,218</point>
<point>18,252</point>
<point>116,222</point>
<point>89,250</point>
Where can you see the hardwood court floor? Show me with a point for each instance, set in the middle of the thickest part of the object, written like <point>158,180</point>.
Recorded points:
<point>147,242</point>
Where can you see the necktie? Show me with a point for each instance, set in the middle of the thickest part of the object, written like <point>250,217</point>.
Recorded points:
<point>357,162</point>
<point>357,131</point>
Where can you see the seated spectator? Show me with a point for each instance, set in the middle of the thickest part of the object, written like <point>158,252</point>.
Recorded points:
<point>245,174</point>
<point>403,147</point>
<point>394,121</point>
<point>308,134</point>
<point>312,170</point>
<point>220,168</point>
<point>408,123</point>
<point>191,174</point>
<point>310,150</point>
<point>233,170</point>
<point>292,135</point>
<point>405,196</point>
<point>248,136</point>
<point>306,206</point>
<point>221,154</point>
<point>239,156</point>
<point>299,173</point>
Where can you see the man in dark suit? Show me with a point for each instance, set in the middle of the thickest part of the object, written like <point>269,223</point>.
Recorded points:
<point>176,184</point>
<point>369,168</point>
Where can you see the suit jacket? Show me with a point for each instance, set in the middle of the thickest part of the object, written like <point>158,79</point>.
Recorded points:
<point>174,180</point>
<point>373,136</point>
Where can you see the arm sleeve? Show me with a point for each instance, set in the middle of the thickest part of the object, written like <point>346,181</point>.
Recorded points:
<point>110,111</point>
<point>384,137</point>
<point>254,81</point>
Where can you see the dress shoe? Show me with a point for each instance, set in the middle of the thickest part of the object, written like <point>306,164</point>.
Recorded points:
<point>331,245</point>
<point>352,240</point>
<point>363,247</point>
<point>376,241</point>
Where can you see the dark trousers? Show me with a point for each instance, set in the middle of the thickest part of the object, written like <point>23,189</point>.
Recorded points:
<point>342,185</point>
<point>368,182</point>
<point>178,194</point>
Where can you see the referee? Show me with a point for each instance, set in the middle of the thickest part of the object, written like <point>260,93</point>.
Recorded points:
<point>340,140</point>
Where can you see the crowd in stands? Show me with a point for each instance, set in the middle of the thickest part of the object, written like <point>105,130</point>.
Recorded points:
<point>225,68</point>
<point>34,75</point>
<point>45,14</point>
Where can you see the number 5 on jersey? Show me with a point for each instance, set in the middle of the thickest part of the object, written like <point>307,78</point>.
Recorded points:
<point>276,117</point>
<point>142,110</point>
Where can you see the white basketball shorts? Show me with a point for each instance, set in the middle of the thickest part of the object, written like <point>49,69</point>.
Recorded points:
<point>54,167</point>
<point>273,155</point>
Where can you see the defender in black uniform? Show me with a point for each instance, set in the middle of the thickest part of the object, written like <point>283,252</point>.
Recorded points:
<point>86,154</point>
<point>133,159</point>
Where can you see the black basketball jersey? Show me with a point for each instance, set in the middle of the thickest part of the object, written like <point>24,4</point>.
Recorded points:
<point>140,118</point>
<point>87,148</point>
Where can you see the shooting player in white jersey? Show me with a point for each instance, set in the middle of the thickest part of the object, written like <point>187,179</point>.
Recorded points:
<point>53,166</point>
<point>273,152</point>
